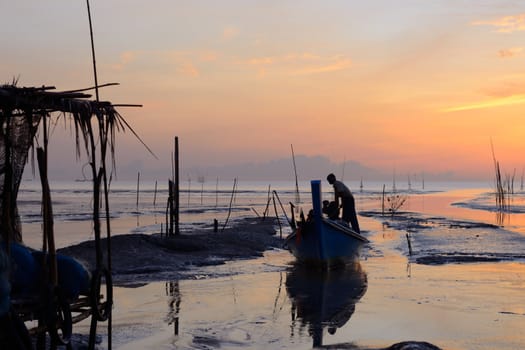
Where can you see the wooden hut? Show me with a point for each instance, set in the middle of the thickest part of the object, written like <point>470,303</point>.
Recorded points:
<point>25,116</point>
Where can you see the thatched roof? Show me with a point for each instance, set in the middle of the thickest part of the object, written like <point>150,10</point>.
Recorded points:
<point>22,110</point>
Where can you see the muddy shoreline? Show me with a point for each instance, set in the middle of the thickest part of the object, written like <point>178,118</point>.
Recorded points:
<point>141,258</point>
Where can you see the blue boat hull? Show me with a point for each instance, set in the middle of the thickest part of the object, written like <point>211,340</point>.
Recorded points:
<point>324,242</point>
<point>334,244</point>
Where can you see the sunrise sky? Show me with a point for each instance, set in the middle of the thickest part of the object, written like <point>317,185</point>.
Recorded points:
<point>410,85</point>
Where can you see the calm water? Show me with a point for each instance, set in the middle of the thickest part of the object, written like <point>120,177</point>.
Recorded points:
<point>143,209</point>
<point>461,288</point>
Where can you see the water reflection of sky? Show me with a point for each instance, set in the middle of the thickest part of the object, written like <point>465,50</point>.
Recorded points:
<point>292,308</point>
<point>477,204</point>
<point>254,304</point>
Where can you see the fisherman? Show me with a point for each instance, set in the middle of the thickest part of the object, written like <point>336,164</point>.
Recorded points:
<point>347,201</point>
<point>331,209</point>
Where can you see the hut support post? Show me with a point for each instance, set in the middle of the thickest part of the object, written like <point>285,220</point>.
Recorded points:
<point>48,217</point>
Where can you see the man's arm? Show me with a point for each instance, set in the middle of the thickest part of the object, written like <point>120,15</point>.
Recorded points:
<point>336,198</point>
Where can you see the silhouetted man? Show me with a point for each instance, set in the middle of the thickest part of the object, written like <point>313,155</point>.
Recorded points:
<point>347,201</point>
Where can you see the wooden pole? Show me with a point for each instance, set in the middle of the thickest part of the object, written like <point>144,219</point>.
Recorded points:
<point>155,195</point>
<point>167,214</point>
<point>170,207</point>
<point>138,185</point>
<point>47,216</point>
<point>383,202</point>
<point>96,215</point>
<point>177,187</point>
<point>231,203</point>
<point>277,217</point>
<point>93,50</point>
<point>189,189</point>
<point>8,204</point>
<point>409,244</point>
<point>217,192</point>
<point>268,199</point>
<point>297,198</point>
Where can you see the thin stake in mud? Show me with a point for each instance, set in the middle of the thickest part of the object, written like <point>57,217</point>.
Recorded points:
<point>297,198</point>
<point>256,213</point>
<point>170,209</point>
<point>268,199</point>
<point>155,195</point>
<point>409,244</point>
<point>217,193</point>
<point>383,202</point>
<point>282,207</point>
<point>277,217</point>
<point>138,190</point>
<point>231,203</point>
<point>177,188</point>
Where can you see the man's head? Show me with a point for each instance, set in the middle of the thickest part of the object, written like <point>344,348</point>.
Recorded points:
<point>330,178</point>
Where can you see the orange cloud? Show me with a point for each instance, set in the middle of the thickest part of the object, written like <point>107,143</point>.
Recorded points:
<point>261,61</point>
<point>208,56</point>
<point>507,24</point>
<point>498,102</point>
<point>186,62</point>
<point>336,65</point>
<point>512,52</point>
<point>300,64</point>
<point>506,90</point>
<point>126,57</point>
<point>230,33</point>
<point>188,69</point>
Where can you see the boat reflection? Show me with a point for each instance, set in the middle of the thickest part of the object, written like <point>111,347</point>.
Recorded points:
<point>324,299</point>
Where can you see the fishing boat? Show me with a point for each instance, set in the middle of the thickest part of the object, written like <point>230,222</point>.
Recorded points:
<point>321,241</point>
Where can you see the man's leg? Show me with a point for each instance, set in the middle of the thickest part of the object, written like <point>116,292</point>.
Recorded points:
<point>349,214</point>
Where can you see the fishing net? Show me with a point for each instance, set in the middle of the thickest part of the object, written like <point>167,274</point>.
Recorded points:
<point>17,130</point>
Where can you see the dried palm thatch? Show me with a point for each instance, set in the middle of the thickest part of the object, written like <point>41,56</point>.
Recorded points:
<point>24,115</point>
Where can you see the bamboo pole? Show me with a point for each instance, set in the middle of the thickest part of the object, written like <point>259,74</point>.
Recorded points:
<point>409,244</point>
<point>96,189</point>
<point>297,198</point>
<point>256,213</point>
<point>217,193</point>
<point>138,189</point>
<point>155,195</point>
<point>231,202</point>
<point>383,202</point>
<point>277,217</point>
<point>8,206</point>
<point>268,199</point>
<point>282,207</point>
<point>177,187</point>
<point>170,207</point>
<point>47,217</point>
<point>189,190</point>
<point>93,50</point>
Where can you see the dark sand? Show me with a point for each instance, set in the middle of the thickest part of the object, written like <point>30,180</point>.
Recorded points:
<point>140,258</point>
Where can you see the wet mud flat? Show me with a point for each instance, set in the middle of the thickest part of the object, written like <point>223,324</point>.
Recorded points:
<point>428,300</point>
<point>437,240</point>
<point>249,309</point>
<point>142,258</point>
